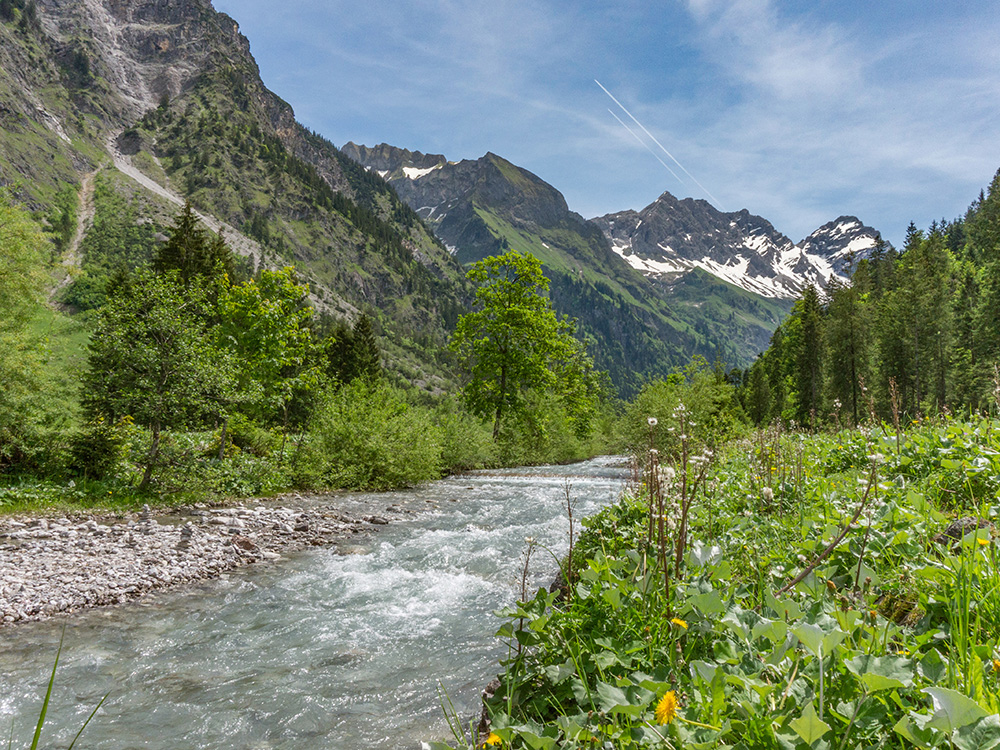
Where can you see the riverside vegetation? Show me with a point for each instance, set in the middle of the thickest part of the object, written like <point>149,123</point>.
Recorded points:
<point>202,379</point>
<point>753,589</point>
<point>781,590</point>
<point>773,588</point>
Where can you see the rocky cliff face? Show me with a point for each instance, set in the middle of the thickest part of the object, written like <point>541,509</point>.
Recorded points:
<point>454,196</point>
<point>167,93</point>
<point>670,237</point>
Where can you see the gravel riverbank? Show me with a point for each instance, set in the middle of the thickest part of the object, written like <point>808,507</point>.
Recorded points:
<point>65,563</point>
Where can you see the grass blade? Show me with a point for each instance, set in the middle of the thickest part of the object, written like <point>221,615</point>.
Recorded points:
<point>96,709</point>
<point>48,695</point>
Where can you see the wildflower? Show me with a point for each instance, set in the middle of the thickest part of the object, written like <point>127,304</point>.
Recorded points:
<point>996,665</point>
<point>983,542</point>
<point>666,709</point>
<point>529,540</point>
<point>679,623</point>
<point>768,494</point>
<point>652,421</point>
<point>493,739</point>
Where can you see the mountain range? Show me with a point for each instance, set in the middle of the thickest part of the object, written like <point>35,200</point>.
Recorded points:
<point>157,103</point>
<point>663,241</point>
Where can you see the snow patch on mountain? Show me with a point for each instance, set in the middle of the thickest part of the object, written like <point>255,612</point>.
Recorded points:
<point>414,173</point>
<point>670,238</point>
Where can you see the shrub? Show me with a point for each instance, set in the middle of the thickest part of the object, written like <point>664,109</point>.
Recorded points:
<point>248,436</point>
<point>368,437</point>
<point>466,440</point>
<point>96,450</point>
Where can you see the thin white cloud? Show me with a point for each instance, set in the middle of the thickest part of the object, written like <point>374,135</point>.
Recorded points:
<point>828,110</point>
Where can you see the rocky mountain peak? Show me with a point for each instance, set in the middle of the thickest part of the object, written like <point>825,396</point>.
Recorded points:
<point>671,237</point>
<point>842,242</point>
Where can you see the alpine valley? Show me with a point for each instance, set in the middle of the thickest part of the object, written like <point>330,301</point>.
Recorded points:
<point>114,114</point>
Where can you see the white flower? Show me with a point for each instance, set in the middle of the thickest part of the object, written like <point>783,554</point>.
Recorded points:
<point>652,421</point>
<point>767,493</point>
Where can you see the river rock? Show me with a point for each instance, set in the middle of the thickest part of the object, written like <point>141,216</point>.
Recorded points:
<point>64,564</point>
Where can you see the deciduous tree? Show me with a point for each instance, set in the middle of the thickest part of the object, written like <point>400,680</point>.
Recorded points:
<point>152,359</point>
<point>513,342</point>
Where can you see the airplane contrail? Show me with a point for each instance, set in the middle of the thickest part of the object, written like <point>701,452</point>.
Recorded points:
<point>662,148</point>
<point>646,146</point>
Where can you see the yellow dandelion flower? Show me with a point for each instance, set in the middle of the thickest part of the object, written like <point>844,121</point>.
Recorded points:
<point>996,665</point>
<point>679,623</point>
<point>493,739</point>
<point>983,542</point>
<point>666,709</point>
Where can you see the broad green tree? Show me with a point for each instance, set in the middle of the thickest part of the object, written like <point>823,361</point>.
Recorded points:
<point>512,342</point>
<point>152,359</point>
<point>265,325</point>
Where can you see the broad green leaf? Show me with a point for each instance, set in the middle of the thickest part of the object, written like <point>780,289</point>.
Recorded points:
<point>704,670</point>
<point>605,659</point>
<point>913,728</point>
<point>701,554</point>
<point>708,604</point>
<point>811,636</point>
<point>933,667</point>
<point>817,640</point>
<point>613,700</point>
<point>952,710</point>
<point>732,621</point>
<point>809,726</point>
<point>613,597</point>
<point>774,630</point>
<point>785,608</point>
<point>535,742</point>
<point>556,673</point>
<point>983,735</point>
<point>881,672</point>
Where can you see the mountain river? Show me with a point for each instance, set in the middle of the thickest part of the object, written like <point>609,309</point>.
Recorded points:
<point>334,647</point>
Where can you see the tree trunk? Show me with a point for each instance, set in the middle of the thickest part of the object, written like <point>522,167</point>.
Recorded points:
<point>503,395</point>
<point>154,453</point>
<point>222,440</point>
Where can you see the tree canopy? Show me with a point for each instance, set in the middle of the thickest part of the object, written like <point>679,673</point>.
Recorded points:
<point>513,342</point>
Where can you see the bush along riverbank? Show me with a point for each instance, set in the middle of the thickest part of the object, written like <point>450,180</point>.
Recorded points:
<point>789,591</point>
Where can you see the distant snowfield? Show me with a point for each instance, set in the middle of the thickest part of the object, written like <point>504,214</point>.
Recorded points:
<point>792,267</point>
<point>413,173</point>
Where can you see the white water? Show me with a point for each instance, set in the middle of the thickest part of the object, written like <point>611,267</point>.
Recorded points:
<point>331,648</point>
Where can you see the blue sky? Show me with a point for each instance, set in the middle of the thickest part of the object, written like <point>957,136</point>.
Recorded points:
<point>800,111</point>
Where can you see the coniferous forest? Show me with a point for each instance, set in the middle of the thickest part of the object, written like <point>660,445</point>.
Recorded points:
<point>914,333</point>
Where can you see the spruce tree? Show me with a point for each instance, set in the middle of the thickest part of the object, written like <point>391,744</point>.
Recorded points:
<point>365,356</point>
<point>191,252</point>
